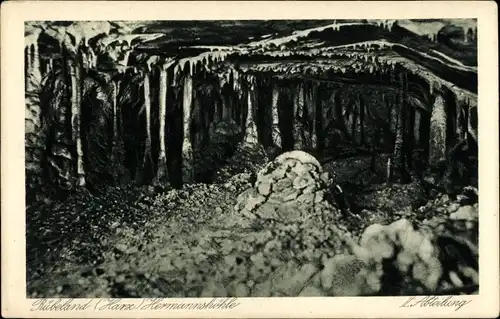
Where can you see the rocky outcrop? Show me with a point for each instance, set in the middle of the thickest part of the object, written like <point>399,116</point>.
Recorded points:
<point>284,188</point>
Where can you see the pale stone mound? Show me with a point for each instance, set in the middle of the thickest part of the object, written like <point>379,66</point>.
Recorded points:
<point>285,189</point>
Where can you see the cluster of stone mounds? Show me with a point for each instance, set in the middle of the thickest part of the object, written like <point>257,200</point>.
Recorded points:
<point>286,189</point>
<point>439,253</point>
<point>293,186</point>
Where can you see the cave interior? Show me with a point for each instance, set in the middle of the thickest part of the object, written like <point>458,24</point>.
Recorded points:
<point>149,97</point>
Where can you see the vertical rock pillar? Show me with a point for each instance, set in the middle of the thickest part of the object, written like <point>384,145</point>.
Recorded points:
<point>161,174</point>
<point>250,127</point>
<point>187,148</point>
<point>437,138</point>
<point>276,134</point>
<point>35,135</point>
<point>37,74</point>
<point>416,128</point>
<point>147,150</point>
<point>298,129</point>
<point>76,109</point>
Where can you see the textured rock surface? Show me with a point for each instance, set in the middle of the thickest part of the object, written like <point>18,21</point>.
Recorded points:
<point>290,188</point>
<point>203,241</point>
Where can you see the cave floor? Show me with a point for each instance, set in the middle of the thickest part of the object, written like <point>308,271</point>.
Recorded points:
<point>183,243</point>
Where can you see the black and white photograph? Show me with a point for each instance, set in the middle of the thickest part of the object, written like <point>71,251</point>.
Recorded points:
<point>251,158</point>
<point>238,158</point>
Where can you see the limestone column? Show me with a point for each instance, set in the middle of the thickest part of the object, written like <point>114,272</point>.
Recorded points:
<point>437,140</point>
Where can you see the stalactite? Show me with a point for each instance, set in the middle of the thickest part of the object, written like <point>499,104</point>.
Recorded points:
<point>217,113</point>
<point>242,102</point>
<point>36,72</point>
<point>147,159</point>
<point>187,148</point>
<point>276,134</point>
<point>328,111</point>
<point>75,72</point>
<point>409,121</point>
<point>31,73</point>
<point>466,119</point>
<point>161,174</point>
<point>226,112</point>
<point>208,110</point>
<point>460,120</point>
<point>362,120</point>
<point>199,115</point>
<point>119,110</point>
<point>33,59</point>
<point>416,128</point>
<point>437,142</point>
<point>74,102</point>
<point>319,118</point>
<point>250,126</point>
<point>354,115</point>
<point>115,113</point>
<point>472,129</point>
<point>298,129</point>
<point>35,133</point>
<point>92,58</point>
<point>339,110</point>
<point>392,116</point>
<point>117,153</point>
<point>312,106</point>
<point>29,59</point>
<point>399,171</point>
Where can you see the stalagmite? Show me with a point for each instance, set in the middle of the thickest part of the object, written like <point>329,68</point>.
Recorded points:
<point>354,117</point>
<point>437,141</point>
<point>298,129</point>
<point>392,116</point>
<point>339,113</point>
<point>399,172</point>
<point>466,119</point>
<point>35,141</point>
<point>276,134</point>
<point>361,120</point>
<point>161,174</point>
<point>312,111</point>
<point>226,114</point>
<point>198,112</point>
<point>416,128</point>
<point>36,72</point>
<point>388,170</point>
<point>217,113</point>
<point>147,107</point>
<point>75,71</point>
<point>29,59</point>
<point>408,123</point>
<point>320,119</point>
<point>470,126</point>
<point>117,153</point>
<point>250,127</point>
<point>115,112</point>
<point>460,120</point>
<point>187,148</point>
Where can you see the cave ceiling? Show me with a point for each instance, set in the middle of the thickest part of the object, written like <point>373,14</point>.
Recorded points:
<point>438,52</point>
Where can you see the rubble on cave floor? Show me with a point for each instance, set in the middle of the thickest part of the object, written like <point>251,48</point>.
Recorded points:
<point>282,236</point>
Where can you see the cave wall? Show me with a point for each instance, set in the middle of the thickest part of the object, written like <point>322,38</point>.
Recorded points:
<point>206,118</point>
